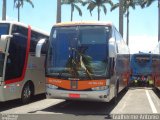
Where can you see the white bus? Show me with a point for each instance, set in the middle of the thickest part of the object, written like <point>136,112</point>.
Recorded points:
<point>86,61</point>
<point>22,74</point>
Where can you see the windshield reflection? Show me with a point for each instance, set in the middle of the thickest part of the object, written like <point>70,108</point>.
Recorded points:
<point>4,29</point>
<point>78,52</point>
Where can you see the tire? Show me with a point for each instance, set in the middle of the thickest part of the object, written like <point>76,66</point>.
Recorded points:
<point>27,93</point>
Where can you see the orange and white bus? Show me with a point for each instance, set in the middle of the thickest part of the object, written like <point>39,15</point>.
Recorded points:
<point>86,61</point>
<point>22,74</point>
<point>156,65</point>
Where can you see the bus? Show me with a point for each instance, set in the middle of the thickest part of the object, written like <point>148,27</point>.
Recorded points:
<point>22,74</point>
<point>156,65</point>
<point>142,69</point>
<point>86,61</point>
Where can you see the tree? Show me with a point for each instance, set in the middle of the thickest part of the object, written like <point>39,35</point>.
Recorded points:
<point>146,3</point>
<point>58,11</point>
<point>126,4</point>
<point>92,4</point>
<point>121,17</point>
<point>73,6</point>
<point>83,61</point>
<point>4,10</point>
<point>20,3</point>
<point>158,20</point>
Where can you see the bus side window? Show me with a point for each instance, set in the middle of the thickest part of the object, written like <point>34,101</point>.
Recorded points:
<point>34,40</point>
<point>35,37</point>
<point>17,53</point>
<point>111,66</point>
<point>45,47</point>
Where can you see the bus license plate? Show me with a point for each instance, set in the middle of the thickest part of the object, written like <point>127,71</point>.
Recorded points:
<point>74,95</point>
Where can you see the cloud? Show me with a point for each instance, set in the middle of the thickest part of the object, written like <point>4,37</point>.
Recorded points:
<point>143,43</point>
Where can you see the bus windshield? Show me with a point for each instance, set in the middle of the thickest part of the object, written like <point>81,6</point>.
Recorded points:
<point>78,52</point>
<point>1,63</point>
<point>4,29</point>
<point>142,60</point>
<point>142,64</point>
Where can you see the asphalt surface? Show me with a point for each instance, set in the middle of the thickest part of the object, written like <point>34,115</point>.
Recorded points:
<point>134,101</point>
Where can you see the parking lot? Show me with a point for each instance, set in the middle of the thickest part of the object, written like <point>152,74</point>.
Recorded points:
<point>133,101</point>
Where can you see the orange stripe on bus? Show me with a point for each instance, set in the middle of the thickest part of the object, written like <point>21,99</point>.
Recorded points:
<point>82,84</point>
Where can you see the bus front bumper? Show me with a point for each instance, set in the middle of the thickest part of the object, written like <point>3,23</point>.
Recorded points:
<point>101,95</point>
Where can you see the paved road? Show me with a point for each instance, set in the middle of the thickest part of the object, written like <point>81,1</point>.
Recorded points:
<point>135,101</point>
<point>138,100</point>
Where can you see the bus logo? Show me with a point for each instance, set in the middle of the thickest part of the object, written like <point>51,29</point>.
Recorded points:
<point>74,84</point>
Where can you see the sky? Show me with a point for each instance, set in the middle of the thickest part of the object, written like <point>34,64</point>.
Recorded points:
<point>143,23</point>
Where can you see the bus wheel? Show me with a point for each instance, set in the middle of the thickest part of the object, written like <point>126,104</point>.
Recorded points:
<point>27,93</point>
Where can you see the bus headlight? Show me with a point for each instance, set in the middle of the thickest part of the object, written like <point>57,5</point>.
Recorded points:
<point>100,88</point>
<point>51,86</point>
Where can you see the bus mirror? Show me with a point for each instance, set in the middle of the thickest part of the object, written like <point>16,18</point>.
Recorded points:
<point>112,47</point>
<point>3,42</point>
<point>39,47</point>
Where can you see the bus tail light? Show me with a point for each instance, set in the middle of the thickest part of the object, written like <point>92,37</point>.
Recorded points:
<point>100,88</point>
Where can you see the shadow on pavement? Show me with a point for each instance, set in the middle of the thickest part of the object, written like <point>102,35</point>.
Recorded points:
<point>17,103</point>
<point>83,107</point>
<point>157,92</point>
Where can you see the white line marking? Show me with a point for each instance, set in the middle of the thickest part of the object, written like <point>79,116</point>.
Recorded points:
<point>151,102</point>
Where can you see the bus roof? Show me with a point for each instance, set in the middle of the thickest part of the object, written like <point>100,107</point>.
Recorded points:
<point>83,23</point>
<point>141,53</point>
<point>26,26</point>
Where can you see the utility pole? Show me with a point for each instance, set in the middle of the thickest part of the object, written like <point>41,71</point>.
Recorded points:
<point>127,37</point>
<point>4,10</point>
<point>158,20</point>
<point>58,11</point>
<point>121,17</point>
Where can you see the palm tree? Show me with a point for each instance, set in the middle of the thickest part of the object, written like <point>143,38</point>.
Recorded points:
<point>58,11</point>
<point>81,62</point>
<point>20,3</point>
<point>4,10</point>
<point>158,20</point>
<point>73,6</point>
<point>92,4</point>
<point>126,4</point>
<point>121,17</point>
<point>146,3</point>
